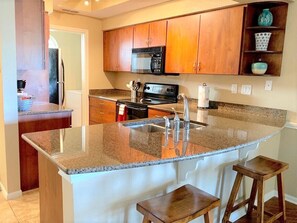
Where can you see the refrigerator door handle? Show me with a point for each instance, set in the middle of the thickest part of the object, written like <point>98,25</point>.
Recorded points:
<point>63,81</point>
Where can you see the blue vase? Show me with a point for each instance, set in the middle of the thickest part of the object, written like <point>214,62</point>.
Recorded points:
<point>265,18</point>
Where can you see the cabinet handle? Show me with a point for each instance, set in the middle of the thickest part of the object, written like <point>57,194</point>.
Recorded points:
<point>194,66</point>
<point>199,66</point>
<point>101,113</point>
<point>150,41</point>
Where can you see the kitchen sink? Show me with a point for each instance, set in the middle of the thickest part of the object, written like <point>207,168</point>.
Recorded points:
<point>192,124</point>
<point>159,126</point>
<point>148,128</point>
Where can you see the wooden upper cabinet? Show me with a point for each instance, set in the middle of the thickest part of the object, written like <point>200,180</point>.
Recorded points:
<point>141,33</point>
<point>110,50</point>
<point>30,35</point>
<point>182,44</point>
<point>125,48</point>
<point>117,49</point>
<point>220,41</point>
<point>150,34</point>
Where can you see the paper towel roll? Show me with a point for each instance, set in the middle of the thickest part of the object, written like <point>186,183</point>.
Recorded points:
<point>203,96</point>
<point>202,115</point>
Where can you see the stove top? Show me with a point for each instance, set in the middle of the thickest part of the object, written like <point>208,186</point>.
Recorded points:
<point>146,101</point>
<point>154,94</point>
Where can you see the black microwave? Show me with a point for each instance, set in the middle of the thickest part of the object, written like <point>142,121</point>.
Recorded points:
<point>148,60</point>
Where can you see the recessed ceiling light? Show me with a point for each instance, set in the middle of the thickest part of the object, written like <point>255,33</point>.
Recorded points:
<point>86,2</point>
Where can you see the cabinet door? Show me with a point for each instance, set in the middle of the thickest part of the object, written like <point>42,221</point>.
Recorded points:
<point>141,33</point>
<point>125,48</point>
<point>110,50</point>
<point>101,111</point>
<point>182,44</point>
<point>30,35</point>
<point>157,33</point>
<point>220,41</point>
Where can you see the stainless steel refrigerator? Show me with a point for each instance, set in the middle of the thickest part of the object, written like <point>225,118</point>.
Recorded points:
<point>56,77</point>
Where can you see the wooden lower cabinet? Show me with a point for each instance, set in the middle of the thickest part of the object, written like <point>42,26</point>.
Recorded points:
<point>152,113</point>
<point>102,111</point>
<point>28,155</point>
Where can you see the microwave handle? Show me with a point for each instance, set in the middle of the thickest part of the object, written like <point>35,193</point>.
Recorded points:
<point>151,66</point>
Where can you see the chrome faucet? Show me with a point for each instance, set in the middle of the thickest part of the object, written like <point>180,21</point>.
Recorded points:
<point>167,122</point>
<point>186,107</point>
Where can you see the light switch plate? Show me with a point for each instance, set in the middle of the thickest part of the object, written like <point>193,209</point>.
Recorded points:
<point>268,85</point>
<point>234,88</point>
<point>246,89</point>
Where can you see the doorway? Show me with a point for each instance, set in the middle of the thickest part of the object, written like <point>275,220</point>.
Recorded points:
<point>73,47</point>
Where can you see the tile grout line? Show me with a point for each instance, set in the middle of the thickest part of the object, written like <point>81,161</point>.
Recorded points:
<point>13,211</point>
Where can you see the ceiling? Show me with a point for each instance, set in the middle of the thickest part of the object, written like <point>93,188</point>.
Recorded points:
<point>102,8</point>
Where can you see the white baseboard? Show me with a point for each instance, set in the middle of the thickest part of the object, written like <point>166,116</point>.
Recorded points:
<point>288,198</point>
<point>10,196</point>
<point>291,199</point>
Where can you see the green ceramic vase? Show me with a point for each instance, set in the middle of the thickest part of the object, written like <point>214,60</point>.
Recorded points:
<point>265,18</point>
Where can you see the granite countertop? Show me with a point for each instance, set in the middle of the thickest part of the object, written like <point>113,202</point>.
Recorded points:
<point>114,146</point>
<point>44,108</point>
<point>110,94</point>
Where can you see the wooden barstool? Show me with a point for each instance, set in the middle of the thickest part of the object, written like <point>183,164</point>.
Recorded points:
<point>260,169</point>
<point>179,206</point>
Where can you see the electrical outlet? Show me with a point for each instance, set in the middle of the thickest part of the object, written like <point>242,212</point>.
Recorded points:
<point>246,89</point>
<point>268,85</point>
<point>234,88</point>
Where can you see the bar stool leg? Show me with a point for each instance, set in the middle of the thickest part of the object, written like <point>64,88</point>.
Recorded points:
<point>206,218</point>
<point>260,203</point>
<point>281,199</point>
<point>232,198</point>
<point>252,198</point>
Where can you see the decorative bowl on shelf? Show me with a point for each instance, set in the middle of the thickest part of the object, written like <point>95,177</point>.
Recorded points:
<point>262,40</point>
<point>259,68</point>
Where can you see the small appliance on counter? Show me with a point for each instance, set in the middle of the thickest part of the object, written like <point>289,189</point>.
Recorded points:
<point>153,94</point>
<point>21,84</point>
<point>25,100</point>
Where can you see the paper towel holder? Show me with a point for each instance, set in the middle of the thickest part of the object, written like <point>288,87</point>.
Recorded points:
<point>203,96</point>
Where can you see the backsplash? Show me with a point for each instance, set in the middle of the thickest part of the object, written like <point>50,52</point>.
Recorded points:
<point>37,83</point>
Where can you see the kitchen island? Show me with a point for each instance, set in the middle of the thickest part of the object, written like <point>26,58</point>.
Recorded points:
<point>104,170</point>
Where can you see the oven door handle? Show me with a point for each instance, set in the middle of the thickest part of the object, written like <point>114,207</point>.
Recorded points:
<point>136,108</point>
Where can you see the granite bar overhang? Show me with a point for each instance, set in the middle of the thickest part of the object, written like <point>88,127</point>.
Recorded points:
<point>114,146</point>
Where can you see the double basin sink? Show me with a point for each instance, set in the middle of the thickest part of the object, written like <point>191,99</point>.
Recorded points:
<point>158,125</point>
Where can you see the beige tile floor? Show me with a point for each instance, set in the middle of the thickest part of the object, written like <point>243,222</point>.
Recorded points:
<point>22,210</point>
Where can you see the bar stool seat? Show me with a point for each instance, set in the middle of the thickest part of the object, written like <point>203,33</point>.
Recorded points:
<point>260,169</point>
<point>181,205</point>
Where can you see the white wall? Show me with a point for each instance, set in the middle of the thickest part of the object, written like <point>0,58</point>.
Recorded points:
<point>9,143</point>
<point>70,45</point>
<point>288,153</point>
